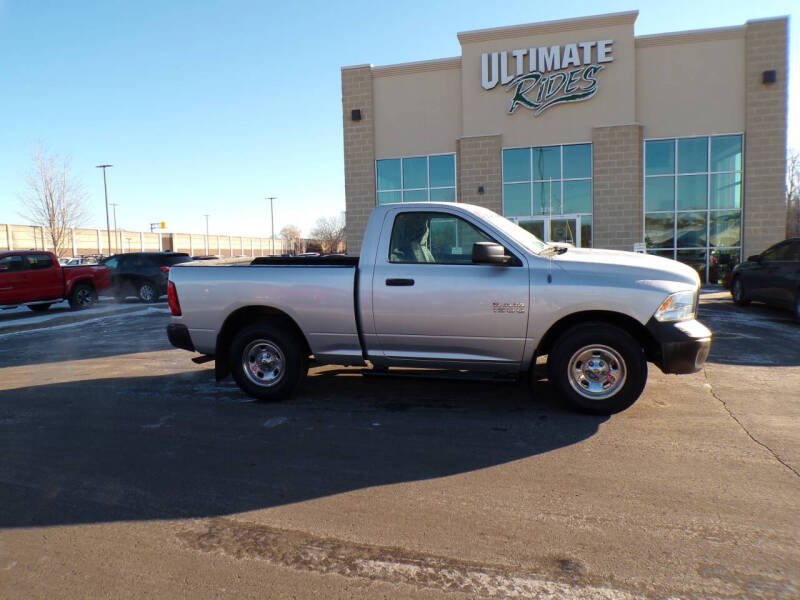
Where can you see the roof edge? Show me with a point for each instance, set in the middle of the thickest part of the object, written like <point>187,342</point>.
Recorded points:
<point>692,36</point>
<point>497,33</point>
<point>421,66</point>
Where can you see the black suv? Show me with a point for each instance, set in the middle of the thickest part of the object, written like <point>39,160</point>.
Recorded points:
<point>772,277</point>
<point>142,274</point>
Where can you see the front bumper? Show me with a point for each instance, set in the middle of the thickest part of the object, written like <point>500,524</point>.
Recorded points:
<point>682,346</point>
<point>178,335</point>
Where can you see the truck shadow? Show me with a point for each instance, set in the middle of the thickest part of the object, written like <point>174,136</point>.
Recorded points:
<point>182,445</point>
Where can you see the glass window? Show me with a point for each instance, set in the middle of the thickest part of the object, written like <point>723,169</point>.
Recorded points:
<point>415,196</point>
<point>558,185</point>
<point>721,262</point>
<point>443,171</point>
<point>387,197</point>
<point>433,238</point>
<point>693,155</point>
<point>389,174</point>
<point>577,161</point>
<point>111,263</point>
<point>517,199</point>
<point>660,157</point>
<point>724,228</point>
<point>39,261</point>
<point>726,153</point>
<point>415,172</point>
<point>659,230</point>
<point>691,230</point>
<point>659,193</point>
<point>578,196</point>
<point>417,177</point>
<point>443,195</point>
<point>777,252</point>
<point>710,185</point>
<point>726,190</point>
<point>547,163</point>
<point>586,231</point>
<point>12,263</point>
<point>517,165</point>
<point>547,198</point>
<point>695,259</point>
<point>692,192</point>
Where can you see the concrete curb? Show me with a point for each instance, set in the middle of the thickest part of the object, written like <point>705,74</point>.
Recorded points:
<point>74,317</point>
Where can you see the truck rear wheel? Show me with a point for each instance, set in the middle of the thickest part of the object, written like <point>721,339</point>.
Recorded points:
<point>597,368</point>
<point>267,360</point>
<point>82,296</point>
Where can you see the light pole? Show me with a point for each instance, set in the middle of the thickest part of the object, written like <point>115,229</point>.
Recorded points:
<point>271,226</point>
<point>206,216</point>
<point>105,187</point>
<point>116,235</point>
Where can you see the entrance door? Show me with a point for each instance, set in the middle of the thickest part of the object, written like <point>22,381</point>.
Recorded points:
<point>554,229</point>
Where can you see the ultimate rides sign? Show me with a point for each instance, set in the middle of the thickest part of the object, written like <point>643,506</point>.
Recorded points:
<point>555,74</point>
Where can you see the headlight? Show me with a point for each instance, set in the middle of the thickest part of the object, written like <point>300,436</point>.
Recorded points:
<point>678,307</point>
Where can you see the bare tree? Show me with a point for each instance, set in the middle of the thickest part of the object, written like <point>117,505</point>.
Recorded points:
<point>54,199</point>
<point>793,193</point>
<point>291,237</point>
<point>329,231</point>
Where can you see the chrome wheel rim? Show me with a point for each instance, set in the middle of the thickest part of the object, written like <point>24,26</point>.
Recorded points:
<point>84,297</point>
<point>146,292</point>
<point>263,363</point>
<point>596,372</point>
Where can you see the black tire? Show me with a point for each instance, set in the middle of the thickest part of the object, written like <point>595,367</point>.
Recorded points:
<point>737,292</point>
<point>611,382</point>
<point>82,296</point>
<point>279,345</point>
<point>39,307</point>
<point>147,291</point>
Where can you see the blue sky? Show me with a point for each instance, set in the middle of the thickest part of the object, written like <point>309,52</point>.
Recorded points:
<point>208,107</point>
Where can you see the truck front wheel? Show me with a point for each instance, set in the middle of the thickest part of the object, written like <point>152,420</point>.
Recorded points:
<point>267,360</point>
<point>597,368</point>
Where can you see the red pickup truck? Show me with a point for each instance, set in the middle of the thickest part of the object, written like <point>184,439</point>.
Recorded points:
<point>35,278</point>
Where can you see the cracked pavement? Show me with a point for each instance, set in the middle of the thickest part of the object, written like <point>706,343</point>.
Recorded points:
<point>127,472</point>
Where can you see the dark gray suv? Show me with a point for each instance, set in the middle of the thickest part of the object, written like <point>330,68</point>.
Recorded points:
<point>142,274</point>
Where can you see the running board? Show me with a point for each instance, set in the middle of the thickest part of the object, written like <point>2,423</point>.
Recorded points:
<point>439,374</point>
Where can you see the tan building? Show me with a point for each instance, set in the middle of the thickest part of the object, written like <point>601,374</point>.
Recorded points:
<point>580,131</point>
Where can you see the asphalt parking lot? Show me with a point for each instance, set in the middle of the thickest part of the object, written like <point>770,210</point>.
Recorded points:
<point>128,472</point>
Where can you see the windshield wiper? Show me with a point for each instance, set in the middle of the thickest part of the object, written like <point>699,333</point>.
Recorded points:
<point>553,249</point>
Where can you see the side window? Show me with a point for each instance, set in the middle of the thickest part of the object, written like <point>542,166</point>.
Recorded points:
<point>777,252</point>
<point>39,261</point>
<point>437,238</point>
<point>12,263</point>
<point>793,252</point>
<point>112,263</point>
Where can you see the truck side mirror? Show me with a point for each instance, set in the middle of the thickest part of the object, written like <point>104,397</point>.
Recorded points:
<point>489,253</point>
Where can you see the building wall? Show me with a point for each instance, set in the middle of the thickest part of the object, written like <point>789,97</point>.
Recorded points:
<point>359,152</point>
<point>486,112</point>
<point>478,165</point>
<point>691,83</point>
<point>765,137</point>
<point>617,181</point>
<point>417,108</point>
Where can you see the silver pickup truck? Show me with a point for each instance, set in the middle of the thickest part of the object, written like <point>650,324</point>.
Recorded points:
<point>446,286</point>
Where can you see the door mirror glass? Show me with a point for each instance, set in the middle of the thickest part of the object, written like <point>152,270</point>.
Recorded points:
<point>489,253</point>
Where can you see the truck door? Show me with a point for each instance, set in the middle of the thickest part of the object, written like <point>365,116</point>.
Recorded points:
<point>433,306</point>
<point>12,279</point>
<point>45,277</point>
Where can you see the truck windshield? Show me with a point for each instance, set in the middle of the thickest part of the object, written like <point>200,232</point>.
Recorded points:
<point>515,232</point>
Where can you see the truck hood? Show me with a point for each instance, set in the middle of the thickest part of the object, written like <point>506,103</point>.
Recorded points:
<point>637,266</point>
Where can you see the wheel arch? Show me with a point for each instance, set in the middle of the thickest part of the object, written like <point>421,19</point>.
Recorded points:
<point>625,322</point>
<point>75,282</point>
<point>247,315</point>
